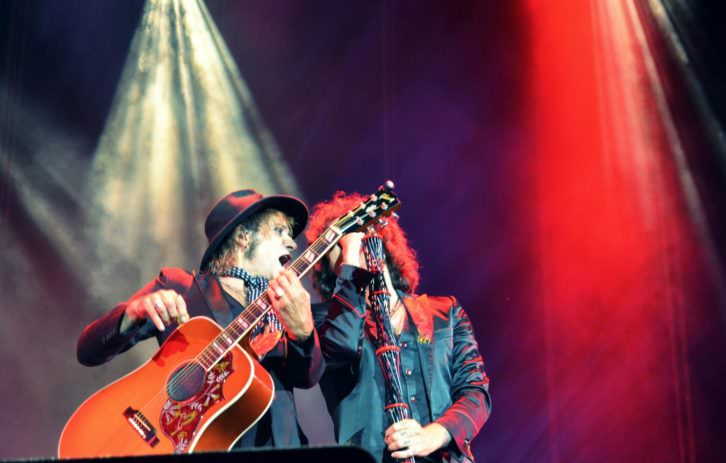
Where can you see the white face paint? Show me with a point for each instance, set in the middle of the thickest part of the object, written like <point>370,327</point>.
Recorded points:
<point>272,246</point>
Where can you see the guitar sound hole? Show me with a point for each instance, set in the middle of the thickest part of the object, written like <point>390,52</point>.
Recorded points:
<point>185,382</point>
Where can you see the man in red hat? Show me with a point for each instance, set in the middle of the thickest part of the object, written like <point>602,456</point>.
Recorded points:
<point>250,239</point>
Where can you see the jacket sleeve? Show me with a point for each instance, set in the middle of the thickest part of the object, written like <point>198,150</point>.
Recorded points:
<point>469,387</point>
<point>303,363</point>
<point>102,340</point>
<point>342,331</point>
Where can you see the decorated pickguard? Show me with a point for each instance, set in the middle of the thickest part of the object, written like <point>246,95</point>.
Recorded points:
<point>180,420</point>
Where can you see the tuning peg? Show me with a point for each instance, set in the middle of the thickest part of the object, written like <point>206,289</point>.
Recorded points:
<point>395,215</point>
<point>383,223</point>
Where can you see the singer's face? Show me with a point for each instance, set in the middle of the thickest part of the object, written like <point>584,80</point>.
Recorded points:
<point>271,246</point>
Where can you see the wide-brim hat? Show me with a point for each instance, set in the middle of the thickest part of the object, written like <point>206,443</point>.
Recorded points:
<point>237,206</point>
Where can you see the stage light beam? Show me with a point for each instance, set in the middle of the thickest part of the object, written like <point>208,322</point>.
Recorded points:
<point>183,130</point>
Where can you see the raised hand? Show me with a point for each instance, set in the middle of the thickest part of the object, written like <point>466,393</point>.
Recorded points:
<point>408,439</point>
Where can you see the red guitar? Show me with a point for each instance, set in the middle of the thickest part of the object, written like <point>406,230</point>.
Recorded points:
<point>201,390</point>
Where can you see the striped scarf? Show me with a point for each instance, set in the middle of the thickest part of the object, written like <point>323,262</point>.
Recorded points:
<point>255,287</point>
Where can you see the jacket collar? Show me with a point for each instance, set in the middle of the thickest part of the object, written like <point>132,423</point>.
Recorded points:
<point>418,309</point>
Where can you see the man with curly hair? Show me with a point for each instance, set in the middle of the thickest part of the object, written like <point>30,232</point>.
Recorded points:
<point>442,370</point>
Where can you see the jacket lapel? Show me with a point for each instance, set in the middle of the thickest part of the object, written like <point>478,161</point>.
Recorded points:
<point>418,309</point>
<point>210,291</point>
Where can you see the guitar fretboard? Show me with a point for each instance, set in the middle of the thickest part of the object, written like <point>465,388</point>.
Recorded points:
<point>244,322</point>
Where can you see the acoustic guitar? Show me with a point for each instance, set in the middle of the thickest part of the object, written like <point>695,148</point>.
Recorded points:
<point>201,391</point>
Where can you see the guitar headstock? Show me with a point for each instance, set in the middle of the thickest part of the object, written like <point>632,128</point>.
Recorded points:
<point>380,204</point>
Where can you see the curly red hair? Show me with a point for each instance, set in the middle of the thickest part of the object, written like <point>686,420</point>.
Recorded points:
<point>400,257</point>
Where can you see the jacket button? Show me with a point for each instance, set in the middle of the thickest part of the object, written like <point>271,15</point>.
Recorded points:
<point>408,372</point>
<point>413,398</point>
<point>404,345</point>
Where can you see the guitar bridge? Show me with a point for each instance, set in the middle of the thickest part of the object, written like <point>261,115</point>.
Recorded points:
<point>141,425</point>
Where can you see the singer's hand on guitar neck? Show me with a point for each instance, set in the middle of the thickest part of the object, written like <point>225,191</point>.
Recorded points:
<point>292,304</point>
<point>162,307</point>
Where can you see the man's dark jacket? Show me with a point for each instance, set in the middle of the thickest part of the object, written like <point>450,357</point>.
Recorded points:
<point>290,364</point>
<point>456,385</point>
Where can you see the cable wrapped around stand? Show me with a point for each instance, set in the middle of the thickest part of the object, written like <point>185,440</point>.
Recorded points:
<point>388,351</point>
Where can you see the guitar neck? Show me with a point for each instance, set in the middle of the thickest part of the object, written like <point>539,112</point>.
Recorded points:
<point>245,321</point>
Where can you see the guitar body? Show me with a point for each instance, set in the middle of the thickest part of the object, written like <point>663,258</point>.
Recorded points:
<point>171,404</point>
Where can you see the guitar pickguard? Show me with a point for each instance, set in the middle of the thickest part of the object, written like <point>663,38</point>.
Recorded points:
<point>180,420</point>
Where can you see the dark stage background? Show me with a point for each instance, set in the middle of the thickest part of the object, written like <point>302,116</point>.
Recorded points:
<point>571,206</point>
